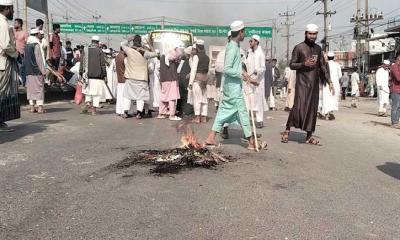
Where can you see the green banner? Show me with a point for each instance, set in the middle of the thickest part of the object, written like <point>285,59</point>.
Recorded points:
<point>141,29</point>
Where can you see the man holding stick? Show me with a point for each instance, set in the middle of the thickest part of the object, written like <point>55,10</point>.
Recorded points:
<point>233,108</point>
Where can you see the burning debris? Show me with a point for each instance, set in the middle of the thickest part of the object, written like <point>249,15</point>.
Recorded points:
<point>192,154</point>
<point>173,160</point>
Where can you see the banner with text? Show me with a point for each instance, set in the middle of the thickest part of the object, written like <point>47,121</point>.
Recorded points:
<point>141,29</point>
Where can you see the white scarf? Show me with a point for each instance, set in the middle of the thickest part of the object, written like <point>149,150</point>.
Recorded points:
<point>32,40</point>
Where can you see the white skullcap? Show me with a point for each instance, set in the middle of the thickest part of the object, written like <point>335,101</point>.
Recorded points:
<point>6,2</point>
<point>107,51</point>
<point>237,26</point>
<point>34,31</point>
<point>200,42</point>
<point>96,38</point>
<point>386,62</point>
<point>311,28</point>
<point>256,37</point>
<point>331,54</point>
<point>230,34</point>
<point>188,50</point>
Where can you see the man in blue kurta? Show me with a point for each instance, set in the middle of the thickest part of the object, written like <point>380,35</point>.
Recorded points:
<point>233,107</point>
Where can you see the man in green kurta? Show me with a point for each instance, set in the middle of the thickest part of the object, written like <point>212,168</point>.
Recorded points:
<point>232,107</point>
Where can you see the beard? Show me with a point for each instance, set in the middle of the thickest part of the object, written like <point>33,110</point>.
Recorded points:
<point>10,16</point>
<point>311,41</point>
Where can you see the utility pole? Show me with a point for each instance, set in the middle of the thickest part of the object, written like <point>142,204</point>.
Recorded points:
<point>26,15</point>
<point>273,38</point>
<point>67,18</point>
<point>360,20</point>
<point>287,23</point>
<point>162,22</point>
<point>326,13</point>
<point>17,6</point>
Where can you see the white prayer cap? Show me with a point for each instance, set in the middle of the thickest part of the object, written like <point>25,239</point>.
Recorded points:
<point>237,26</point>
<point>331,54</point>
<point>311,28</point>
<point>188,50</point>
<point>34,31</point>
<point>386,62</point>
<point>6,2</point>
<point>200,42</point>
<point>230,33</point>
<point>256,37</point>
<point>96,38</point>
<point>107,51</point>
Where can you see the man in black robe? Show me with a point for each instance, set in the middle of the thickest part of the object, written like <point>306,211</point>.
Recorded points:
<point>308,60</point>
<point>183,107</point>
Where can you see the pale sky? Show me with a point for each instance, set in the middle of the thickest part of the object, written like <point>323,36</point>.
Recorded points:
<point>220,12</point>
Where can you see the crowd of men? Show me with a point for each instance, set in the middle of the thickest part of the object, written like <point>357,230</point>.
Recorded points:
<point>180,81</point>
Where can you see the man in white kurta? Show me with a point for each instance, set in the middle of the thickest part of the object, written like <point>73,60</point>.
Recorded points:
<point>330,100</point>
<point>290,76</point>
<point>111,75</point>
<point>355,88</point>
<point>382,83</point>
<point>254,92</point>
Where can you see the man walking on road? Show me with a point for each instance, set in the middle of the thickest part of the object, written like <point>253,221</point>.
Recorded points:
<point>311,70</point>
<point>330,102</point>
<point>233,107</point>
<point>382,83</point>
<point>395,91</point>
<point>344,83</point>
<point>255,89</point>
<point>9,104</point>
<point>355,88</point>
<point>35,65</point>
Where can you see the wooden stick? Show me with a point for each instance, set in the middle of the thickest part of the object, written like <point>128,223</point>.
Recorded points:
<point>219,157</point>
<point>252,120</point>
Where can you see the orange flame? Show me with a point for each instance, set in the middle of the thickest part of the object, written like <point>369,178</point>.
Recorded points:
<point>189,140</point>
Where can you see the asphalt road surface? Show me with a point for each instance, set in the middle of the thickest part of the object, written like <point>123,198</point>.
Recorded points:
<point>56,182</point>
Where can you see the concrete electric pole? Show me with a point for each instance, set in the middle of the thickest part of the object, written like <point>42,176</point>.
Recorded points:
<point>360,20</point>
<point>67,18</point>
<point>326,13</point>
<point>287,23</point>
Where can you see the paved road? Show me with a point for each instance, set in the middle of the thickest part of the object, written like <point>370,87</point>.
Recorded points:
<point>54,184</point>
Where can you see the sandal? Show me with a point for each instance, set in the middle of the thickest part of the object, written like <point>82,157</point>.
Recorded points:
<point>285,137</point>
<point>41,111</point>
<point>261,146</point>
<point>174,118</point>
<point>33,110</point>
<point>313,141</point>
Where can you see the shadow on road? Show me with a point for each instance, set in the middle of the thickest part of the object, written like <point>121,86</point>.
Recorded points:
<point>23,130</point>
<point>385,124</point>
<point>57,110</point>
<point>391,169</point>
